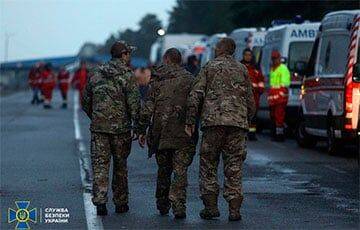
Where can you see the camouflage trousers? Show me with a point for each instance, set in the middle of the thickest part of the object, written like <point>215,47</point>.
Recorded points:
<point>104,147</point>
<point>173,190</point>
<point>230,143</point>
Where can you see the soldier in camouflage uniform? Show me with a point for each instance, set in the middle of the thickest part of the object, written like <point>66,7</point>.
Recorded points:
<point>174,150</point>
<point>222,93</point>
<point>112,102</point>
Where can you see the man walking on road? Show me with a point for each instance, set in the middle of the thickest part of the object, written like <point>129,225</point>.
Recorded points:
<point>174,150</point>
<point>112,102</point>
<point>223,95</point>
<point>278,94</point>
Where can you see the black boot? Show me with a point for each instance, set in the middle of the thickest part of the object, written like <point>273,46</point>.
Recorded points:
<point>179,210</point>
<point>211,210</point>
<point>252,136</point>
<point>101,210</point>
<point>163,205</point>
<point>46,106</point>
<point>121,208</point>
<point>234,209</point>
<point>64,105</point>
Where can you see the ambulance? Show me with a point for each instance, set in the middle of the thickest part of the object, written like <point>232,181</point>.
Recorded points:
<point>183,42</point>
<point>240,37</point>
<point>209,52</point>
<point>294,41</point>
<point>255,41</point>
<point>330,92</point>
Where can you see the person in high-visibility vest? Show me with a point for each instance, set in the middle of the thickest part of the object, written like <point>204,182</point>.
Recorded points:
<point>278,94</point>
<point>257,81</point>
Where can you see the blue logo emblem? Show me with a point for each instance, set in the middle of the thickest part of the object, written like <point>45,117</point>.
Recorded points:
<point>22,215</point>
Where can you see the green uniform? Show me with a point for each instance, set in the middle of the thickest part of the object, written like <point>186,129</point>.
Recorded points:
<point>112,102</point>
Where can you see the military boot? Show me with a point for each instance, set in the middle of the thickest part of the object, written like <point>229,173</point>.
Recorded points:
<point>121,208</point>
<point>211,210</point>
<point>163,206</point>
<point>101,210</point>
<point>179,210</point>
<point>234,209</point>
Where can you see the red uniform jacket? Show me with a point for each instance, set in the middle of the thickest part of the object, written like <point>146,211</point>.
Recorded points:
<point>80,79</point>
<point>34,78</point>
<point>257,80</point>
<point>63,79</point>
<point>48,83</point>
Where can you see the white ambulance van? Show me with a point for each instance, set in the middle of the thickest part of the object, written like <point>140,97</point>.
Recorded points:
<point>330,96</point>
<point>240,37</point>
<point>255,41</point>
<point>294,42</point>
<point>209,52</point>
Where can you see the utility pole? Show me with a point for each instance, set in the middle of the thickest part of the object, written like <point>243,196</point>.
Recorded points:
<point>7,43</point>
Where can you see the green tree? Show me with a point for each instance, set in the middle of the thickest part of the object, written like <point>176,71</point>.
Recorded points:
<point>142,38</point>
<point>211,17</point>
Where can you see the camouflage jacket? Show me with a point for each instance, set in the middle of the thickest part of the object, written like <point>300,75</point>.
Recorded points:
<point>165,107</point>
<point>111,98</point>
<point>222,95</point>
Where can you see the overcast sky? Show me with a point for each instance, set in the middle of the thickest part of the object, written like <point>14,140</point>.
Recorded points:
<point>48,28</point>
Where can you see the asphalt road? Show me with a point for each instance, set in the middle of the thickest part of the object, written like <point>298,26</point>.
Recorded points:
<point>285,187</point>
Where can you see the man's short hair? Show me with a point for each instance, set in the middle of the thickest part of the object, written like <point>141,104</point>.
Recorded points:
<point>247,50</point>
<point>119,48</point>
<point>173,55</point>
<point>226,45</point>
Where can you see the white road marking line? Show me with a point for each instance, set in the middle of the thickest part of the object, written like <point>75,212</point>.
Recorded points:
<point>93,220</point>
<point>335,169</point>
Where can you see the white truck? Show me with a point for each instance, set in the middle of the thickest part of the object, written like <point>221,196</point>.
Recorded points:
<point>183,42</point>
<point>240,37</point>
<point>294,42</point>
<point>255,41</point>
<point>209,52</point>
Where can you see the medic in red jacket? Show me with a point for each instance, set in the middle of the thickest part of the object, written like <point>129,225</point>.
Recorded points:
<point>34,82</point>
<point>63,81</point>
<point>257,80</point>
<point>48,83</point>
<point>80,78</point>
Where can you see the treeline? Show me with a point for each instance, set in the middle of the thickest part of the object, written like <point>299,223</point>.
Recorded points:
<point>209,17</point>
<point>142,38</point>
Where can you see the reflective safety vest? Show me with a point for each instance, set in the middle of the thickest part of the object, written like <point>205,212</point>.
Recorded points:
<point>279,83</point>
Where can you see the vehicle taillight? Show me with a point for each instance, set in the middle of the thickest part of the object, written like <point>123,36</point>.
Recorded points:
<point>348,105</point>
<point>296,77</point>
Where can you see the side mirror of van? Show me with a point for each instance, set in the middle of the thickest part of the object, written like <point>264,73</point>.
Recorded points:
<point>300,67</point>
<point>356,72</point>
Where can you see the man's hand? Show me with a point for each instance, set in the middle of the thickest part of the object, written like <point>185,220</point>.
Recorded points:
<point>142,140</point>
<point>189,130</point>
<point>134,135</point>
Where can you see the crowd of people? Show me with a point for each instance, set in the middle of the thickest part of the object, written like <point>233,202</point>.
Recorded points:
<point>163,107</point>
<point>43,80</point>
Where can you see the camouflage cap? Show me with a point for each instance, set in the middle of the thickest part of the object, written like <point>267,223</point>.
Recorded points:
<point>120,47</point>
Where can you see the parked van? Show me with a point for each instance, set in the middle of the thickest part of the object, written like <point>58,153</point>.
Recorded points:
<point>255,41</point>
<point>330,99</point>
<point>209,52</point>
<point>240,37</point>
<point>294,42</point>
<point>182,41</point>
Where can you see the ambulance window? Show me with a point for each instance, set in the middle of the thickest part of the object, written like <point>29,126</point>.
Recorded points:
<point>256,52</point>
<point>299,52</point>
<point>333,54</point>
